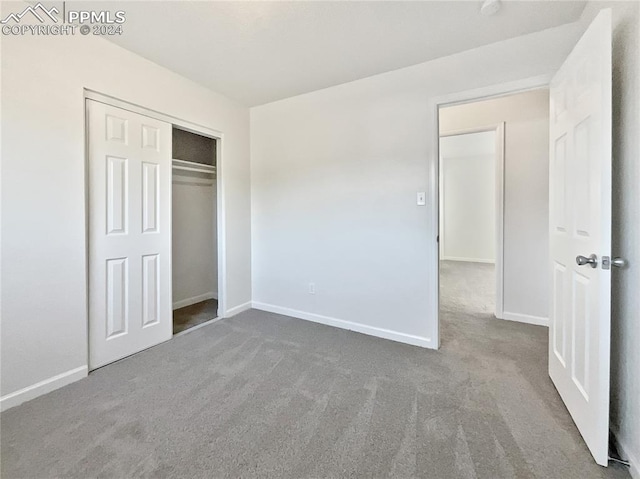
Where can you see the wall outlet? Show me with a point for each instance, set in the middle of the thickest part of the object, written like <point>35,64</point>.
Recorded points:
<point>312,288</point>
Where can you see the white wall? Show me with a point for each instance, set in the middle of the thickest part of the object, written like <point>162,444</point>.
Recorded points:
<point>194,246</point>
<point>526,193</point>
<point>334,176</point>
<point>468,197</point>
<point>625,353</point>
<point>44,307</point>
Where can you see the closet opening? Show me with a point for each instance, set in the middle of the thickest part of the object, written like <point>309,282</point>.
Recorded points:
<point>195,236</point>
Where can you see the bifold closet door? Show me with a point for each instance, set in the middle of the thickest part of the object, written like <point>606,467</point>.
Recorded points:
<point>129,233</point>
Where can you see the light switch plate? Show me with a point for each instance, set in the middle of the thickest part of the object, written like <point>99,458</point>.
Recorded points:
<point>421,198</point>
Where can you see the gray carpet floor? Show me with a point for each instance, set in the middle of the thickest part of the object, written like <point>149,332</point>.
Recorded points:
<point>468,288</point>
<point>190,316</point>
<point>263,395</point>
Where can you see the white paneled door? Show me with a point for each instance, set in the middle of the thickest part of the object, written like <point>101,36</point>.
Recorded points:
<point>580,233</point>
<point>129,233</point>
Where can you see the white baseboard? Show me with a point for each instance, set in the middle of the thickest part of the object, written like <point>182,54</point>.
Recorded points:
<point>525,318</point>
<point>196,299</point>
<point>467,260</point>
<point>237,309</point>
<point>634,469</point>
<point>351,326</point>
<point>43,387</point>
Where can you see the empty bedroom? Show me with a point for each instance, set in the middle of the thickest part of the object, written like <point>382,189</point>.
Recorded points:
<point>319,239</point>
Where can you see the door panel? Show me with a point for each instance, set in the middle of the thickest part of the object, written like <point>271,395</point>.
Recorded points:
<point>559,327</point>
<point>117,307</point>
<point>150,289</point>
<point>580,224</point>
<point>117,203</point>
<point>129,233</point>
<point>150,197</point>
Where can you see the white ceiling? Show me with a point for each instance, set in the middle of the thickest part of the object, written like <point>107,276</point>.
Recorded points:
<point>258,52</point>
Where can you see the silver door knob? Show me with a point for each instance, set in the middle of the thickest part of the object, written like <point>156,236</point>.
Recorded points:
<point>619,262</point>
<point>592,260</point>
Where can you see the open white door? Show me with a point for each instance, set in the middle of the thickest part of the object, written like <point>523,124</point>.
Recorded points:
<point>580,233</point>
<point>129,233</point>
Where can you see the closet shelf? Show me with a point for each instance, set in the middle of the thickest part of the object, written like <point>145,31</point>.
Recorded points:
<point>192,166</point>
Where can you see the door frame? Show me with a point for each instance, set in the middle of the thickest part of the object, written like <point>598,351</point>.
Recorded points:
<point>433,163</point>
<point>498,204</point>
<point>220,190</point>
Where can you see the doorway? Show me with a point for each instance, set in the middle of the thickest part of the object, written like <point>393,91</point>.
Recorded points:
<point>493,173</point>
<point>471,219</point>
<point>155,227</point>
<point>194,230</point>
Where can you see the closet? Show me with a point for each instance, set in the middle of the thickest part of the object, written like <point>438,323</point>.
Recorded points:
<point>194,237</point>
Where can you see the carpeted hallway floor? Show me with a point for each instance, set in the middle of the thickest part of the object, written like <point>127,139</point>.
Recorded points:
<point>263,395</point>
<point>468,288</point>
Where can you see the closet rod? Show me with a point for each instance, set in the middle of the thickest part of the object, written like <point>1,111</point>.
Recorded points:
<point>193,166</point>
<point>198,170</point>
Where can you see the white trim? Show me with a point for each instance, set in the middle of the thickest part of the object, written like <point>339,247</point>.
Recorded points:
<point>195,299</point>
<point>492,91</point>
<point>469,131</point>
<point>500,207</point>
<point>634,462</point>
<point>43,387</point>
<point>468,260</point>
<point>237,309</point>
<point>525,318</point>
<point>351,326</point>
<point>221,229</point>
<point>141,110</point>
